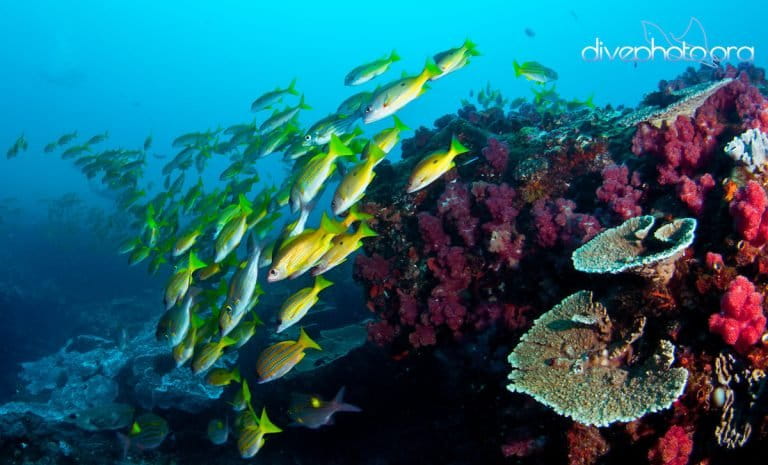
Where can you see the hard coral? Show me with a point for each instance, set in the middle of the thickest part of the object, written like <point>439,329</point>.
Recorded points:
<point>741,321</point>
<point>564,362</point>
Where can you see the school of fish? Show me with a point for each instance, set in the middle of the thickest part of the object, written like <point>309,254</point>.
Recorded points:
<point>219,241</point>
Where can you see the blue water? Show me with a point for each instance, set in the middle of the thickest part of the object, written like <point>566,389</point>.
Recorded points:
<point>163,68</point>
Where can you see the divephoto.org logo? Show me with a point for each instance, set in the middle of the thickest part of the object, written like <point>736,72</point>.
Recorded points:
<point>661,45</point>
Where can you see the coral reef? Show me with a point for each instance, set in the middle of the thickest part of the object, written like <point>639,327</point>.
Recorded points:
<point>90,371</point>
<point>480,254</point>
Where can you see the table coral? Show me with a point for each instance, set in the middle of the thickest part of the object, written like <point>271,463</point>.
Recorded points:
<point>564,362</point>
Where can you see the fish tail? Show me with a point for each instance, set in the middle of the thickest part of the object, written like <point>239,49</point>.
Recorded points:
<point>266,425</point>
<point>456,147</point>
<point>194,262</point>
<point>589,103</point>
<point>342,406</point>
<point>431,69</point>
<point>469,46</point>
<point>357,215</point>
<point>292,88</point>
<point>236,374</point>
<point>330,225</point>
<point>337,147</point>
<point>399,125</point>
<point>321,283</point>
<point>226,342</point>
<point>376,155</point>
<point>518,68</point>
<point>303,105</point>
<point>366,231</point>
<point>306,341</point>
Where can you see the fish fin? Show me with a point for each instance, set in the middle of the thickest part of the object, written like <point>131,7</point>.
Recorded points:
<point>357,214</point>
<point>340,395</point>
<point>246,206</point>
<point>431,69</point>
<point>341,406</point>
<point>358,131</point>
<point>135,428</point>
<point>246,392</point>
<point>518,69</point>
<point>375,154</point>
<point>399,125</point>
<point>365,231</point>
<point>236,374</point>
<point>303,105</point>
<point>227,341</point>
<point>266,425</point>
<point>337,147</point>
<point>291,89</point>
<point>197,321</point>
<point>470,47</point>
<point>194,262</point>
<point>321,283</point>
<point>456,147</point>
<point>589,103</point>
<point>306,341</point>
<point>330,225</point>
<point>393,57</point>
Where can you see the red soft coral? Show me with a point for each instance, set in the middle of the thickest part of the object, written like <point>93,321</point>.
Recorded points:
<point>741,321</point>
<point>673,448</point>
<point>750,216</point>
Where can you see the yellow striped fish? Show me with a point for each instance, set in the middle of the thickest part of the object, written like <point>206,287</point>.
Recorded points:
<point>278,359</point>
<point>209,354</point>
<point>299,253</point>
<point>341,247</point>
<point>251,437</point>
<point>298,304</point>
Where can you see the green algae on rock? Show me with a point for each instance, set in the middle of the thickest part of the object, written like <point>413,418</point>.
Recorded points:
<point>629,247</point>
<point>567,361</point>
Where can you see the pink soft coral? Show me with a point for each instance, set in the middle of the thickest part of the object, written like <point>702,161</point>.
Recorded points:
<point>673,448</point>
<point>741,321</point>
<point>750,216</point>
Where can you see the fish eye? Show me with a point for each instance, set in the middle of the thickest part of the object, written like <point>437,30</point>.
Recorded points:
<point>307,138</point>
<point>272,272</point>
<point>368,109</point>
